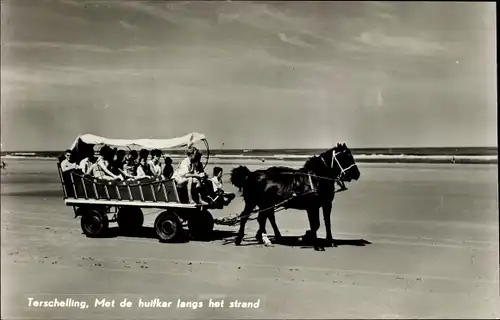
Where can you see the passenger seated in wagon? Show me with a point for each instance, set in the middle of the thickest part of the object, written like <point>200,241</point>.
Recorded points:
<point>190,173</point>
<point>67,167</point>
<point>118,165</point>
<point>87,164</point>
<point>130,165</point>
<point>101,169</point>
<point>168,169</point>
<point>68,164</point>
<point>220,196</point>
<point>154,164</point>
<point>142,170</point>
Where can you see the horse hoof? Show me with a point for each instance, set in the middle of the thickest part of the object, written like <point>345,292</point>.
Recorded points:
<point>331,243</point>
<point>238,240</point>
<point>259,239</point>
<point>317,248</point>
<point>268,244</point>
<point>306,238</point>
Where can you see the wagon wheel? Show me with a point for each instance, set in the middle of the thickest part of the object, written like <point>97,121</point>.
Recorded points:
<point>94,223</point>
<point>168,226</point>
<point>130,219</point>
<point>201,225</point>
<point>208,152</point>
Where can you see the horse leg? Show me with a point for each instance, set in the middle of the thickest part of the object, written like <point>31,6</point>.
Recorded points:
<point>262,227</point>
<point>277,233</point>
<point>313,215</point>
<point>261,235</point>
<point>243,220</point>
<point>327,212</point>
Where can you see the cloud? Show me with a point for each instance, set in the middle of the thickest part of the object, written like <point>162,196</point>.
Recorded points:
<point>266,17</point>
<point>386,16</point>
<point>127,25</point>
<point>74,47</point>
<point>399,44</point>
<point>72,2</point>
<point>45,77</point>
<point>170,12</point>
<point>223,18</point>
<point>295,41</point>
<point>380,5</point>
<point>58,45</point>
<point>380,98</point>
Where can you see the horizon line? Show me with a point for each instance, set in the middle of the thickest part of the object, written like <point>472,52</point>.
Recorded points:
<point>269,149</point>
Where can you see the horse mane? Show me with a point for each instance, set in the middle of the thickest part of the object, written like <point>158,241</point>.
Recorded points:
<point>315,161</point>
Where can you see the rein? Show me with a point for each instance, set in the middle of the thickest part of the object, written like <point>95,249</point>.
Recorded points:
<point>231,221</point>
<point>311,175</point>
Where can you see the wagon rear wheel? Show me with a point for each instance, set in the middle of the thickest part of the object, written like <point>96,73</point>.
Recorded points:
<point>94,223</point>
<point>130,219</point>
<point>168,226</point>
<point>201,225</point>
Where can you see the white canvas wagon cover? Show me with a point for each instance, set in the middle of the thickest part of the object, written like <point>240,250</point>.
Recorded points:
<point>178,142</point>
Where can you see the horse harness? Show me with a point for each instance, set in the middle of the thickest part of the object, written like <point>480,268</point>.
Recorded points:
<point>334,157</point>
<point>280,206</point>
<point>337,179</point>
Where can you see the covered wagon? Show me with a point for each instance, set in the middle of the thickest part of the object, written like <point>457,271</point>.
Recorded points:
<point>98,202</point>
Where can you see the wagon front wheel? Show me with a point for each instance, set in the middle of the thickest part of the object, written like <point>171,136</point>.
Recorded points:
<point>168,226</point>
<point>201,225</point>
<point>94,223</point>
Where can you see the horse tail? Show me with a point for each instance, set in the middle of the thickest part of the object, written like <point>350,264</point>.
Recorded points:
<point>239,176</point>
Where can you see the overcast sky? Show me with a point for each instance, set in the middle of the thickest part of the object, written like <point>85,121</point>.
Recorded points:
<point>252,75</point>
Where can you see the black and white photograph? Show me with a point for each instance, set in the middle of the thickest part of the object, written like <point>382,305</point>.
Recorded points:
<point>249,160</point>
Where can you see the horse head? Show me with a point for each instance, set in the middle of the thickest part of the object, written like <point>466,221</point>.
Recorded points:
<point>337,162</point>
<point>343,163</point>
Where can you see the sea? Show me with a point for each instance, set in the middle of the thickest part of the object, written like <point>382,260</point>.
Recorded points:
<point>431,154</point>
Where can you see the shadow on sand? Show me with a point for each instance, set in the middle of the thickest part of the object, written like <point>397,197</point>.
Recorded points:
<point>35,193</point>
<point>149,233</point>
<point>296,241</point>
<point>228,238</point>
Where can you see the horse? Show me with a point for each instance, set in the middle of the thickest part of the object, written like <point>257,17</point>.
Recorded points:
<point>309,188</point>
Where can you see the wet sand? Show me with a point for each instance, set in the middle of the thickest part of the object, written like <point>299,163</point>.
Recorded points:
<point>416,241</point>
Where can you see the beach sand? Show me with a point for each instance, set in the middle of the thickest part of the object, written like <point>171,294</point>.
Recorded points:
<point>433,253</point>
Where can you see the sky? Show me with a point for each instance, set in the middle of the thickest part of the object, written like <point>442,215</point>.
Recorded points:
<point>249,74</point>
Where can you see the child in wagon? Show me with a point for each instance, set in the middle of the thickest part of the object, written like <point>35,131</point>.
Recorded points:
<point>142,169</point>
<point>130,165</point>
<point>218,186</point>
<point>168,169</point>
<point>154,164</point>
<point>101,168</point>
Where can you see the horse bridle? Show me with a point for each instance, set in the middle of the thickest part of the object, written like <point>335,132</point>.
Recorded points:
<point>334,158</point>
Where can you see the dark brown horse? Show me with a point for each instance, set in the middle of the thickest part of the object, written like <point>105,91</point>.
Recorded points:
<point>309,188</point>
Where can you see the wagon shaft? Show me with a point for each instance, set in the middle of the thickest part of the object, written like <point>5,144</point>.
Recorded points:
<point>227,221</point>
